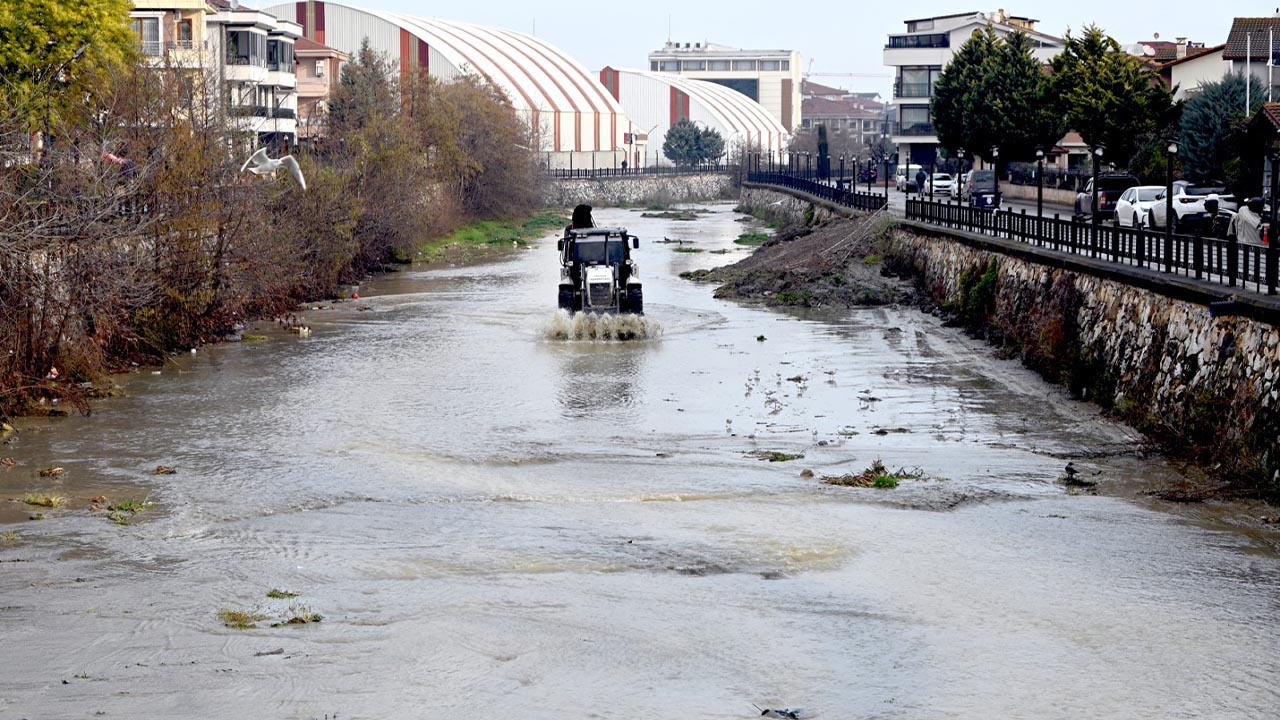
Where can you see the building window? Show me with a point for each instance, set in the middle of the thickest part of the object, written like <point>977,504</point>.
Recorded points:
<point>147,31</point>
<point>718,65</point>
<point>770,66</point>
<point>916,82</point>
<point>868,125</point>
<point>653,65</point>
<point>669,66</point>
<point>806,122</point>
<point>695,65</point>
<point>246,48</point>
<point>320,68</point>
<point>185,36</point>
<point>747,65</point>
<point>786,66</point>
<point>920,25</point>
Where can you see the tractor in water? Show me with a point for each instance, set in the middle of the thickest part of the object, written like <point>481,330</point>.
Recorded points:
<point>597,274</point>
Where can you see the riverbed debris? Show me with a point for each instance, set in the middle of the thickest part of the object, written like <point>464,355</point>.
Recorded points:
<point>241,619</point>
<point>51,471</point>
<point>775,456</point>
<point>165,470</point>
<point>45,500</point>
<point>876,476</point>
<point>787,713</point>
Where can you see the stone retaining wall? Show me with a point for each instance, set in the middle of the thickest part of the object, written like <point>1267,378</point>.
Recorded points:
<point>1139,342</point>
<point>639,190</point>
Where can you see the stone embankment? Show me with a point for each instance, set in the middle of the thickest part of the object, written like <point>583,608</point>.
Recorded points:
<point>1203,385</point>
<point>639,189</point>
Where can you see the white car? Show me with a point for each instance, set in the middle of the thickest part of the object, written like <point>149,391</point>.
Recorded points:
<point>940,183</point>
<point>1132,207</point>
<point>1188,205</point>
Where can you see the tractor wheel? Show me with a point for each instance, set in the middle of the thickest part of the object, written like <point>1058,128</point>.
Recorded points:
<point>566,298</point>
<point>635,300</point>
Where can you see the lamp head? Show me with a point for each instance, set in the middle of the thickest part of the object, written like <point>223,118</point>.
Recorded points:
<point>1173,148</point>
<point>1039,154</point>
<point>1097,152</point>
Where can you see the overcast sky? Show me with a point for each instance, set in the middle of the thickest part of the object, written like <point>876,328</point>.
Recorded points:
<point>845,36</point>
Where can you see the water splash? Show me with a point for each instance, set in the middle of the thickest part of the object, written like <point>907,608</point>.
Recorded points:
<point>592,326</point>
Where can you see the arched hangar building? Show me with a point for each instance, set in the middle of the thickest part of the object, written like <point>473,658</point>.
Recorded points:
<point>576,120</point>
<point>656,101</point>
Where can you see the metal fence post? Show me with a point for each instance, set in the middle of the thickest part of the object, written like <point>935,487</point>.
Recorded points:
<point>1233,259</point>
<point>1140,251</point>
<point>1198,260</point>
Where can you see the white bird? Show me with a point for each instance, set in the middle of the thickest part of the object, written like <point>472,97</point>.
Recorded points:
<point>263,165</point>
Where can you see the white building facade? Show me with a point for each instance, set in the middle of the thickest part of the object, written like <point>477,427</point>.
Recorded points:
<point>657,101</point>
<point>918,56</point>
<point>252,54</point>
<point>769,77</point>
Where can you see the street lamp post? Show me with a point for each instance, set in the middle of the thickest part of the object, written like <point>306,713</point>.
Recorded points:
<point>886,179</point>
<point>1168,207</point>
<point>995,164</point>
<point>1039,182</point>
<point>808,165</point>
<point>1093,212</point>
<point>840,182</point>
<point>959,172</point>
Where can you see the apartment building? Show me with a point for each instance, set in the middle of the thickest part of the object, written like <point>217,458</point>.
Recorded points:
<point>319,67</point>
<point>854,120</point>
<point>253,61</point>
<point>918,56</point>
<point>770,77</point>
<point>171,33</point>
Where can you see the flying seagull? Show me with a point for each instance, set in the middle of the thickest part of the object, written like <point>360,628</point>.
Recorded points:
<point>263,165</point>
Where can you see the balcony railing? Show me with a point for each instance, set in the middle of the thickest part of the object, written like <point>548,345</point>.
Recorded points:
<point>284,113</point>
<point>936,40</point>
<point>249,111</point>
<point>150,48</point>
<point>917,130</point>
<point>912,90</point>
<point>186,44</point>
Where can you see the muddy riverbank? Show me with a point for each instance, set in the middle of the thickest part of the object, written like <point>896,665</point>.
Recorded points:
<point>493,521</point>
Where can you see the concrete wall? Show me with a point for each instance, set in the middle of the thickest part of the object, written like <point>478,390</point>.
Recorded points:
<point>1140,342</point>
<point>639,189</point>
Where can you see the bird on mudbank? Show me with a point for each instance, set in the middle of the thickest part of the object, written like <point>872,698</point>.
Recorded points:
<point>1071,471</point>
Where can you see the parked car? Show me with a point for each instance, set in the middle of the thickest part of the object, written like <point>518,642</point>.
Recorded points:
<point>1110,187</point>
<point>1131,208</point>
<point>1189,212</point>
<point>939,184</point>
<point>980,188</point>
<point>905,179</point>
<point>961,185</point>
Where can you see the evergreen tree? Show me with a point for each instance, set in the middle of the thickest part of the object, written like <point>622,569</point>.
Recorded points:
<point>687,145</point>
<point>1213,127</point>
<point>1110,97</point>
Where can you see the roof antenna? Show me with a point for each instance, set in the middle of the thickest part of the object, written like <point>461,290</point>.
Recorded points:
<point>668,27</point>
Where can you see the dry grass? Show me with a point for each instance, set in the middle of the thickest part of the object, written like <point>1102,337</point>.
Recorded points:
<point>45,500</point>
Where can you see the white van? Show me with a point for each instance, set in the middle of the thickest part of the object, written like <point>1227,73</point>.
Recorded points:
<point>906,177</point>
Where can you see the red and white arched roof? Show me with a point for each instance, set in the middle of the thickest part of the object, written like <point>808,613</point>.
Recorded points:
<point>564,103</point>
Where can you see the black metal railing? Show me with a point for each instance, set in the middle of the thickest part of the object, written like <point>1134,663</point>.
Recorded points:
<point>912,90</point>
<point>848,198</point>
<point>917,129</point>
<point>608,172</point>
<point>1224,261</point>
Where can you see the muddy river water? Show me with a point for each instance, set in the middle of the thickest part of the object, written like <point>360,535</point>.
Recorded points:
<point>496,523</point>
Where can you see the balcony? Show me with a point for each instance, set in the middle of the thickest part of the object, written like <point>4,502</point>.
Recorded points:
<point>284,113</point>
<point>248,111</point>
<point>917,130</point>
<point>912,90</point>
<point>900,42</point>
<point>150,48</point>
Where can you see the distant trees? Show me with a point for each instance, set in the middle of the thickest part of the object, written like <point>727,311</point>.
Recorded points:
<point>687,144</point>
<point>1214,128</point>
<point>38,37</point>
<point>994,94</point>
<point>137,235</point>
<point>1110,97</point>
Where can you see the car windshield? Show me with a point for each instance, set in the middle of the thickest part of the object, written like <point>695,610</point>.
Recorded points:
<point>1202,190</point>
<point>599,251</point>
<point>1148,194</point>
<point>1116,183</point>
<point>984,180</point>
<point>941,176</point>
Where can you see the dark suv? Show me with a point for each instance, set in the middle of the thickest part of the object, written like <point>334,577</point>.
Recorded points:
<point>1110,188</point>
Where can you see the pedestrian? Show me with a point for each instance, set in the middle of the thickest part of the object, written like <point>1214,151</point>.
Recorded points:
<point>624,167</point>
<point>920,178</point>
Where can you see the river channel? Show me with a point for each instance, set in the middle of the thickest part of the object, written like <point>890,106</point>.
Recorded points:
<point>495,523</point>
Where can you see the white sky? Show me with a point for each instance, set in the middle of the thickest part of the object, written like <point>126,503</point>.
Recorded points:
<point>844,36</point>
